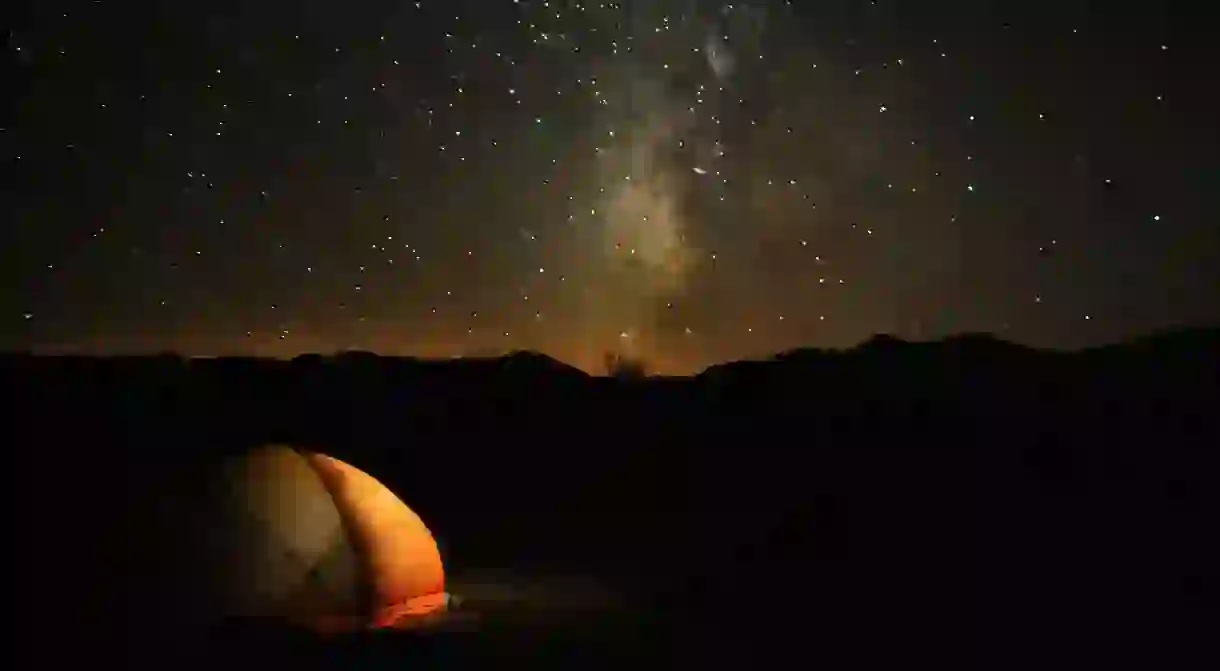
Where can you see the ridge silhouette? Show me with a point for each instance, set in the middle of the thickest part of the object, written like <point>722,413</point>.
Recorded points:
<point>969,500</point>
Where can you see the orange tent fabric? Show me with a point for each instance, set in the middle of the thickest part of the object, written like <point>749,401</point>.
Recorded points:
<point>307,538</point>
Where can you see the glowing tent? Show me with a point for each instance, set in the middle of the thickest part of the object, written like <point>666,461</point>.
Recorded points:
<point>306,538</point>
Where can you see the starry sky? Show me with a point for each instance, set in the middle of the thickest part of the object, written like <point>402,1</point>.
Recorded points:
<point>679,181</point>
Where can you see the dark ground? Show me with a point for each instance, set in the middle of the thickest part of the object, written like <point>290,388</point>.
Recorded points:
<point>965,504</point>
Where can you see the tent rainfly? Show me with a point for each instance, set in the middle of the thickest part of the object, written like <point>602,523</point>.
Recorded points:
<point>306,538</point>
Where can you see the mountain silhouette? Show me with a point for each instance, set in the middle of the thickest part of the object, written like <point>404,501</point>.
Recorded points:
<point>969,499</point>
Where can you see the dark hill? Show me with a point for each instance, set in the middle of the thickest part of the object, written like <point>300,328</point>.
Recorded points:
<point>968,502</point>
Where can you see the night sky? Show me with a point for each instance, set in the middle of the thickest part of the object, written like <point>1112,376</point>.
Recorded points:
<point>677,180</point>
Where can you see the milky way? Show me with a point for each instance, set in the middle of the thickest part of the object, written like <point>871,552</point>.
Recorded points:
<point>676,180</point>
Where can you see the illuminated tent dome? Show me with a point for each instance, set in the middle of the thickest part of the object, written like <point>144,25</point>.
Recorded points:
<point>306,538</point>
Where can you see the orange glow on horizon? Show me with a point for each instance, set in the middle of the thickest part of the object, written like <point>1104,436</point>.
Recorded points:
<point>584,357</point>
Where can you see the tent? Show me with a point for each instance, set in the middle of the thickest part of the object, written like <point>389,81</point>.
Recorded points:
<point>302,537</point>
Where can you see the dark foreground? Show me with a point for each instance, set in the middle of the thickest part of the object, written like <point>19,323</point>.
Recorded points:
<point>966,504</point>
